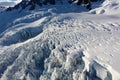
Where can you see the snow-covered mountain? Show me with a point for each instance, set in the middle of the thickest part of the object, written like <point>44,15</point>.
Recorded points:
<point>7,4</point>
<point>32,4</point>
<point>61,42</point>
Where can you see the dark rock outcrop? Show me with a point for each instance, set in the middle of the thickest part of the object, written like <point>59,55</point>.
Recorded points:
<point>33,3</point>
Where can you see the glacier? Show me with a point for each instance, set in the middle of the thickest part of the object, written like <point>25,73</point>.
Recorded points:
<point>61,43</point>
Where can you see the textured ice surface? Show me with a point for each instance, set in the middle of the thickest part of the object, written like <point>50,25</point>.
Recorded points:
<point>48,44</point>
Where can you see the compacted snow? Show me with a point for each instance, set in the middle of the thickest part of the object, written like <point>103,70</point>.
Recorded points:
<point>61,43</point>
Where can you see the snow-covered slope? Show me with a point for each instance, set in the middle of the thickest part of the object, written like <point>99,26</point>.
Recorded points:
<point>108,7</point>
<point>60,42</point>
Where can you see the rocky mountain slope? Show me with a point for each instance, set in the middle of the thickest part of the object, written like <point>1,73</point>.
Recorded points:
<point>33,3</point>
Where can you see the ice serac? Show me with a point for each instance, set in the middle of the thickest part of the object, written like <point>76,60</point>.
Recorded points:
<point>49,60</point>
<point>73,66</point>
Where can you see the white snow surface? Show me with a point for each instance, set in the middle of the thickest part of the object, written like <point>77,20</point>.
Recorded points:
<point>61,43</point>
